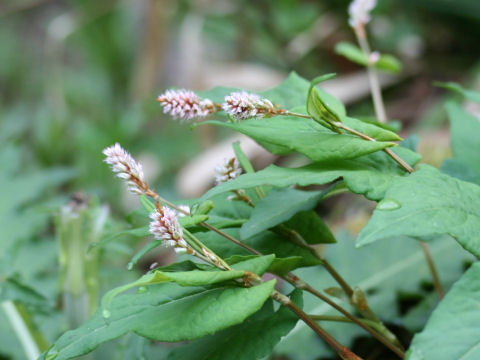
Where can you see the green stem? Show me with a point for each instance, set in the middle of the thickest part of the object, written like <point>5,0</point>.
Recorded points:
<point>372,77</point>
<point>335,318</point>
<point>32,340</point>
<point>204,247</point>
<point>433,270</point>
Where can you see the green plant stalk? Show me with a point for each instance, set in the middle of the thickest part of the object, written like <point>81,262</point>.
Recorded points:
<point>335,318</point>
<point>372,76</point>
<point>32,340</point>
<point>203,247</point>
<point>431,266</point>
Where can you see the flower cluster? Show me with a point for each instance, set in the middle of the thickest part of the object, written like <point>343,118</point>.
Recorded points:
<point>126,168</point>
<point>242,105</point>
<point>165,226</point>
<point>359,11</point>
<point>228,170</point>
<point>185,105</point>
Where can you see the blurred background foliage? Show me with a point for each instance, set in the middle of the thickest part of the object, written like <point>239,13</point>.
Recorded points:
<point>78,75</point>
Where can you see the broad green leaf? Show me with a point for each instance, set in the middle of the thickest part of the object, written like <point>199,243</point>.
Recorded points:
<point>353,53</point>
<point>456,168</point>
<point>279,266</point>
<point>427,202</point>
<point>283,135</point>
<point>465,136</point>
<point>187,278</point>
<point>278,206</point>
<point>382,270</point>
<point>377,132</point>
<point>469,94</point>
<point>266,242</point>
<point>311,227</point>
<point>255,264</point>
<point>254,339</point>
<point>452,332</point>
<point>369,175</point>
<point>164,312</point>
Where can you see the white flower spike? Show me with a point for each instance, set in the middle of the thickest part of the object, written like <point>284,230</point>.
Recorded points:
<point>228,170</point>
<point>125,166</point>
<point>164,226</point>
<point>242,105</point>
<point>185,105</point>
<point>359,11</point>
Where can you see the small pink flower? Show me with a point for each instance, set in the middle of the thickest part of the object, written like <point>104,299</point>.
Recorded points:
<point>185,104</point>
<point>164,226</point>
<point>242,105</point>
<point>228,170</point>
<point>359,11</point>
<point>126,168</point>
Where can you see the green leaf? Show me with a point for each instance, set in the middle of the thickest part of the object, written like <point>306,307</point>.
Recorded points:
<point>188,221</point>
<point>254,339</point>
<point>266,242</point>
<point>453,324</point>
<point>147,204</point>
<point>353,53</point>
<point>165,312</point>
<point>379,133</point>
<point>427,202</point>
<point>279,266</point>
<point>187,278</point>
<point>203,208</point>
<point>318,107</point>
<point>369,175</point>
<point>147,248</point>
<point>469,94</point>
<point>465,136</point>
<point>140,232</point>
<point>272,209</point>
<point>242,158</point>
<point>311,227</point>
<point>283,135</point>
<point>255,264</point>
<point>458,169</point>
<point>382,271</point>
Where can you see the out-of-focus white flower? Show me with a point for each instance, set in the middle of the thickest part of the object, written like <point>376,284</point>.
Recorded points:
<point>359,11</point>
<point>164,226</point>
<point>185,212</point>
<point>242,105</point>
<point>126,168</point>
<point>228,170</point>
<point>374,57</point>
<point>185,104</point>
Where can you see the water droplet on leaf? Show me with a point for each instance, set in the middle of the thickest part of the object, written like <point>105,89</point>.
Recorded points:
<point>141,289</point>
<point>389,204</point>
<point>130,266</point>
<point>106,313</point>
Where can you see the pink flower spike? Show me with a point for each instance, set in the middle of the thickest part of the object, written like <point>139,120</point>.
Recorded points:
<point>185,105</point>
<point>164,226</point>
<point>126,168</point>
<point>242,105</point>
<point>359,11</point>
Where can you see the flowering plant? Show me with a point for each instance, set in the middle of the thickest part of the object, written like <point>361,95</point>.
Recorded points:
<point>265,222</point>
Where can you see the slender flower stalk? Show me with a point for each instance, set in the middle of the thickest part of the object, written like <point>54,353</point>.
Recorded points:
<point>243,105</point>
<point>126,168</point>
<point>185,105</point>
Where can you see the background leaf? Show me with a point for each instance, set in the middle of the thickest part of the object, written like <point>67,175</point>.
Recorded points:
<point>427,203</point>
<point>353,53</point>
<point>453,324</point>
<point>272,209</point>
